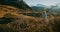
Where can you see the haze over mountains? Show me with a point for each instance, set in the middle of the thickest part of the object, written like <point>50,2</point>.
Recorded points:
<point>38,7</point>
<point>55,9</point>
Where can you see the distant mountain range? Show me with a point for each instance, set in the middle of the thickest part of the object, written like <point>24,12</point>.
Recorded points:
<point>56,10</point>
<point>53,9</point>
<point>38,7</point>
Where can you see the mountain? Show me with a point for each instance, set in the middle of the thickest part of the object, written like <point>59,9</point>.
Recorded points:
<point>38,7</point>
<point>56,10</point>
<point>12,21</point>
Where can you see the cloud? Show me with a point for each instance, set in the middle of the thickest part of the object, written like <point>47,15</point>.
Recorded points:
<point>45,2</point>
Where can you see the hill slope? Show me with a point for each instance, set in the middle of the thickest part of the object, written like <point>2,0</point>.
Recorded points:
<point>18,4</point>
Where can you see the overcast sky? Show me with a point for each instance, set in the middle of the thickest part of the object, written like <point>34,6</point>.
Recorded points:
<point>44,2</point>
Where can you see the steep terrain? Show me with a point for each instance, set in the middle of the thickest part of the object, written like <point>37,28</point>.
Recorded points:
<point>15,22</point>
<point>18,4</point>
<point>12,19</point>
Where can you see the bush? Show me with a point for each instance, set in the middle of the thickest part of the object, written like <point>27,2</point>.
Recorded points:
<point>6,19</point>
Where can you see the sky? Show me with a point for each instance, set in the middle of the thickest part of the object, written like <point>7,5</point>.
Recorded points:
<point>44,2</point>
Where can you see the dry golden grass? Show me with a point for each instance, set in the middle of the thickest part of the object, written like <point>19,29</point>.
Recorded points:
<point>29,24</point>
<point>22,23</point>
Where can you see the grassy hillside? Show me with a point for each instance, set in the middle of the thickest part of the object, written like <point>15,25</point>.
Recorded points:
<point>12,20</point>
<point>16,3</point>
<point>22,23</point>
<point>15,22</point>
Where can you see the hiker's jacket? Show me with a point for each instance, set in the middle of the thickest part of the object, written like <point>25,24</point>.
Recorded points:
<point>44,14</point>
